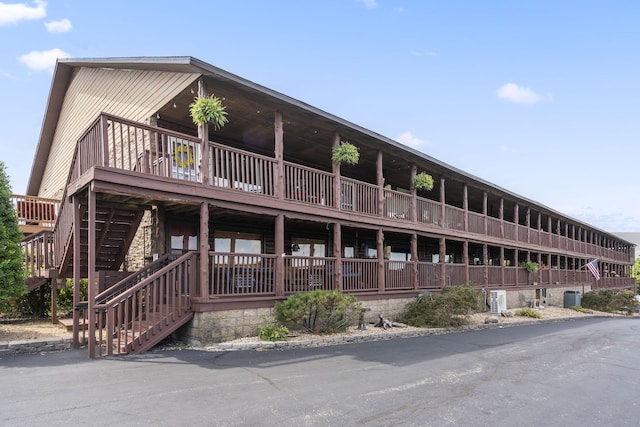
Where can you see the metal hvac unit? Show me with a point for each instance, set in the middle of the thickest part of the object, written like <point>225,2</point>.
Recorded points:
<point>498,301</point>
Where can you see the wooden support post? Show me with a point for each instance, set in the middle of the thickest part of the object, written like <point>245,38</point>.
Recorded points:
<point>485,211</point>
<point>203,133</point>
<point>380,184</point>
<point>335,169</point>
<point>485,262</point>
<point>54,300</point>
<point>442,250</point>
<point>465,207</point>
<point>337,253</point>
<point>77,222</point>
<point>92,287</point>
<point>502,265</point>
<point>501,214</point>
<point>516,220</point>
<point>279,249</point>
<point>278,154</point>
<point>414,258</point>
<point>204,250</point>
<point>465,259</point>
<point>443,210</point>
<point>381,263</point>
<point>413,203</point>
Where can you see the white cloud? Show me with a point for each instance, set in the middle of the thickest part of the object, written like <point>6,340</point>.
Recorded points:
<point>43,60</point>
<point>61,26</point>
<point>409,140</point>
<point>369,4</point>
<point>520,95</point>
<point>14,13</point>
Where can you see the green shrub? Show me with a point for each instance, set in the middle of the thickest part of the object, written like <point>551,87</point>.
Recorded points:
<point>530,266</point>
<point>272,331</point>
<point>579,309</point>
<point>65,294</point>
<point>36,303</point>
<point>320,311</point>
<point>448,308</point>
<point>610,301</point>
<point>528,312</point>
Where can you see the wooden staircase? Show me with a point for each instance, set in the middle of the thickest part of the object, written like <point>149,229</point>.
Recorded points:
<point>115,229</point>
<point>135,315</point>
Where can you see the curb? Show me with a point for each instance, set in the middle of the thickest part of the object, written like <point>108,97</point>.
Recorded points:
<point>47,345</point>
<point>50,345</point>
<point>360,338</point>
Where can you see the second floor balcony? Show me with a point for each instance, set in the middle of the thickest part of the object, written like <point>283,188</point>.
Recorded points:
<point>118,144</point>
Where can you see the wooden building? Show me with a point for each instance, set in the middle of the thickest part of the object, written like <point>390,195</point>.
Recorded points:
<point>186,228</point>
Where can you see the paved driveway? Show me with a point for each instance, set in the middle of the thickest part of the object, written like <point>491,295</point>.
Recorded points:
<point>577,373</point>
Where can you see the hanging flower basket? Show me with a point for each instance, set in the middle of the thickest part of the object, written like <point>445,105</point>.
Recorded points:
<point>530,266</point>
<point>423,181</point>
<point>205,109</point>
<point>345,152</point>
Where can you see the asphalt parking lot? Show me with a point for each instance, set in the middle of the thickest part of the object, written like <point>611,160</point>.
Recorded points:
<point>575,373</point>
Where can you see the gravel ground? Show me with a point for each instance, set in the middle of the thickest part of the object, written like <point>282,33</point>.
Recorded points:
<point>372,333</point>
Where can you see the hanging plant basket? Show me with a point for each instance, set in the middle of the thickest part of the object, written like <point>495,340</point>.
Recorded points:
<point>208,109</point>
<point>530,266</point>
<point>423,181</point>
<point>345,152</point>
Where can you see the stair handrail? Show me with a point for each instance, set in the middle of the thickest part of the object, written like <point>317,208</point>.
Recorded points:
<point>63,226</point>
<point>135,277</point>
<point>119,297</point>
<point>123,312</point>
<point>38,258</point>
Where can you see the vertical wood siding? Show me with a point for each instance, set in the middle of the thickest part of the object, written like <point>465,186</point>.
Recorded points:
<point>124,93</point>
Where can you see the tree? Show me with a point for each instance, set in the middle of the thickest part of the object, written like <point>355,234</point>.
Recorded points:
<point>636,273</point>
<point>12,274</point>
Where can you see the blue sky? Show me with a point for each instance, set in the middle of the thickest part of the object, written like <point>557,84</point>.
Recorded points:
<point>538,97</point>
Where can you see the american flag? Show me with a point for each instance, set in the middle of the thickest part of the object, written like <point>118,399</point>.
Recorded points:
<point>593,268</point>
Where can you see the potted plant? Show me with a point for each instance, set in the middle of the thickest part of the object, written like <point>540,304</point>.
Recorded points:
<point>345,152</point>
<point>423,181</point>
<point>530,266</point>
<point>205,109</point>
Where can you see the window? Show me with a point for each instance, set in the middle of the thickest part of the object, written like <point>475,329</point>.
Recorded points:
<point>240,243</point>
<point>184,237</point>
<point>307,248</point>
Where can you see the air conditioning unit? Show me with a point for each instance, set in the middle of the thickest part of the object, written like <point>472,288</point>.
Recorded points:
<point>498,301</point>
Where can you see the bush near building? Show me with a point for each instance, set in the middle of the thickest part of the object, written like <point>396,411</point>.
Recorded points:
<point>319,311</point>
<point>610,301</point>
<point>449,308</point>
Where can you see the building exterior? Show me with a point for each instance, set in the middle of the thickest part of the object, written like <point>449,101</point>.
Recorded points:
<point>191,229</point>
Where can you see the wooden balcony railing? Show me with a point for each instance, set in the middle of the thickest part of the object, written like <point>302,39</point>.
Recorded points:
<point>235,274</point>
<point>38,253</point>
<point>35,213</point>
<point>122,144</point>
<point>397,205</point>
<point>303,184</point>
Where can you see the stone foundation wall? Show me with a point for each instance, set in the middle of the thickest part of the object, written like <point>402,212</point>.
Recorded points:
<point>220,326</point>
<point>226,325</point>
<point>141,247</point>
<point>554,296</point>
<point>35,346</point>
